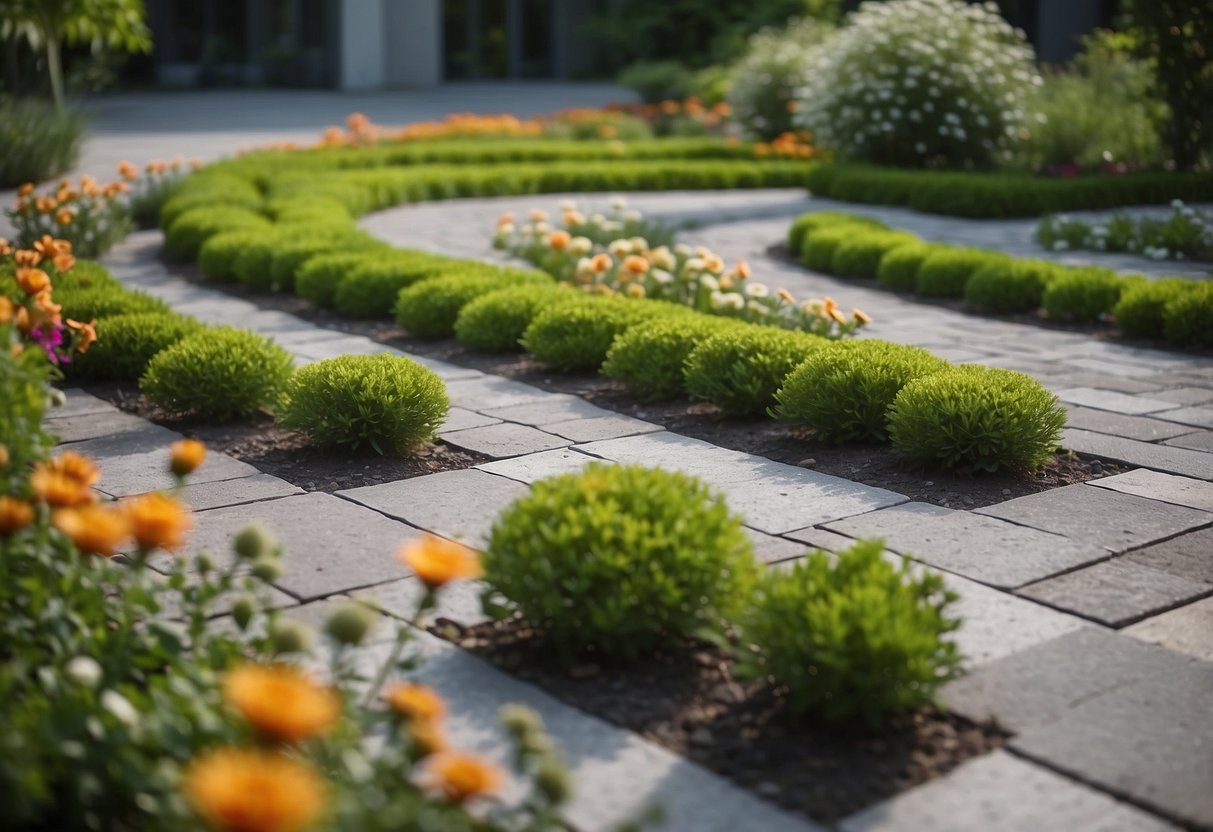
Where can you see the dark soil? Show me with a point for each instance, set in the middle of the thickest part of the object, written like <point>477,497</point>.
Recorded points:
<point>686,699</point>
<point>288,454</point>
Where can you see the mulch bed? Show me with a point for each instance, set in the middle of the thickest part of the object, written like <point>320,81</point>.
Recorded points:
<point>686,699</point>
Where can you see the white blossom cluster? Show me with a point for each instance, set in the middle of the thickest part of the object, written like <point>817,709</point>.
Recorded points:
<point>919,83</point>
<point>765,80</point>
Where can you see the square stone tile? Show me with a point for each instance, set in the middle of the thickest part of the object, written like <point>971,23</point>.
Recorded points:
<point>136,461</point>
<point>459,418</point>
<point>1099,516</point>
<point>1185,395</point>
<point>1169,488</point>
<point>1200,417</point>
<point>460,505</point>
<point>771,549</point>
<point>823,539</point>
<point>1187,556</point>
<point>207,495</point>
<point>612,426</point>
<point>1116,592</point>
<point>505,440</point>
<point>458,602</point>
<point>1164,457</point>
<point>491,392</point>
<point>1133,427</point>
<point>1116,402</point>
<point>1201,440</point>
<point>1187,629</point>
<point>334,347</point>
<point>534,467</point>
<point>79,403</point>
<point>555,407</point>
<point>985,549</point>
<point>92,425</point>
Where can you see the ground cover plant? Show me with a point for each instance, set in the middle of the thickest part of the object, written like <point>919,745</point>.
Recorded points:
<point>37,142</point>
<point>1185,234</point>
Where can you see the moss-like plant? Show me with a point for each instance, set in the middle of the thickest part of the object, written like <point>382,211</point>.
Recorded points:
<point>221,374</point>
<point>318,278</point>
<point>817,252</point>
<point>844,389</point>
<point>1186,318</point>
<point>650,356</point>
<point>391,403</point>
<point>106,301</point>
<point>578,335</point>
<point>945,271</point>
<point>495,322</point>
<point>429,308</point>
<point>852,637</point>
<point>974,417</point>
<point>1140,310</point>
<point>127,343</point>
<point>806,224</point>
<point>1084,295</point>
<point>860,255</point>
<point>619,558</point>
<point>218,255</point>
<point>740,370</point>
<point>898,268</point>
<point>1010,286</point>
<point>195,226</point>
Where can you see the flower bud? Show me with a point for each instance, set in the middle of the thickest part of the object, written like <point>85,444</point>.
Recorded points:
<point>243,609</point>
<point>519,720</point>
<point>553,781</point>
<point>350,622</point>
<point>84,671</point>
<point>290,636</point>
<point>205,562</point>
<point>185,455</point>
<point>267,569</point>
<point>255,541</point>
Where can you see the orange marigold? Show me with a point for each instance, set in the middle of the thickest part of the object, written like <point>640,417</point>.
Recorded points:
<point>32,281</point>
<point>185,455</point>
<point>26,189</point>
<point>66,480</point>
<point>88,333</point>
<point>281,702</point>
<point>417,703</point>
<point>157,521</point>
<point>128,171</point>
<point>247,790</point>
<point>559,240</point>
<point>635,264</point>
<point>6,310</point>
<point>437,561</point>
<point>461,777</point>
<point>95,529</point>
<point>14,515</point>
<point>64,262</point>
<point>863,318</point>
<point>64,217</point>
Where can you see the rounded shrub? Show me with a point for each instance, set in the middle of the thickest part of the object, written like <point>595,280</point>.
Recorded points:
<point>1010,286</point>
<point>218,255</point>
<point>854,638</point>
<point>428,308</point>
<point>620,557</point>
<point>208,188</point>
<point>389,402</point>
<point>289,257</point>
<point>577,335</point>
<point>919,83</point>
<point>495,322</point>
<point>221,374</point>
<point>194,227</point>
<point>844,389</point>
<point>740,370</point>
<point>318,278</point>
<point>127,343</point>
<point>983,418</point>
<point>806,224</point>
<point>817,252</point>
<point>86,274</point>
<point>1083,295</point>
<point>371,288</point>
<point>763,83</point>
<point>946,271</point>
<point>1186,318</point>
<point>649,357</point>
<point>860,254</point>
<point>106,301</point>
<point>1140,310</point>
<point>898,267</point>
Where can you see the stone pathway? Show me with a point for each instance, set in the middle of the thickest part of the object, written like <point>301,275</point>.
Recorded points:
<point>1086,610</point>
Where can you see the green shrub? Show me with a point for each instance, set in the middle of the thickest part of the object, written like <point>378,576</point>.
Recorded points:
<point>898,268</point>
<point>194,227</point>
<point>37,142</point>
<point>289,257</point>
<point>1082,295</point>
<point>620,558</point>
<point>844,389</point>
<point>860,255</point>
<point>649,357</point>
<point>853,637</point>
<point>218,255</point>
<point>740,370</point>
<point>819,246</point>
<point>220,374</point>
<point>1186,318</point>
<point>429,308</point>
<point>657,81</point>
<point>127,343</point>
<point>1139,312</point>
<point>371,288</point>
<point>495,322</point>
<point>106,301</point>
<point>806,224</point>
<point>984,418</point>
<point>763,83</point>
<point>389,402</point>
<point>86,274</point>
<point>577,335</point>
<point>1009,286</point>
<point>318,278</point>
<point>210,188</point>
<point>945,271</point>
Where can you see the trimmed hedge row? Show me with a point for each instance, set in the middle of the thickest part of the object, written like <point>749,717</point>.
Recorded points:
<point>859,247</point>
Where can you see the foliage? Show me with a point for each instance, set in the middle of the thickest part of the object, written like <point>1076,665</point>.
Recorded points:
<point>898,268</point>
<point>617,558</point>
<point>1140,312</point>
<point>389,402</point>
<point>127,343</point>
<point>218,255</point>
<point>919,83</point>
<point>1184,234</point>
<point>1083,295</point>
<point>649,357</point>
<point>577,335</point>
<point>740,370</point>
<point>220,374</point>
<point>1010,286</point>
<point>656,81</point>
<point>370,288</point>
<point>92,217</point>
<point>318,278</point>
<point>946,270</point>
<point>974,417</point>
<point>1186,317</point>
<point>806,224</point>
<point>105,300</point>
<point>496,321</point>
<point>843,391</point>
<point>860,254</point>
<point>817,250</point>
<point>429,308</point>
<point>853,637</point>
<point>762,84</point>
<point>37,142</point>
<point>191,228</point>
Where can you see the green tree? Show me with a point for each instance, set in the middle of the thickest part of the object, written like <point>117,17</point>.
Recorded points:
<point>49,25</point>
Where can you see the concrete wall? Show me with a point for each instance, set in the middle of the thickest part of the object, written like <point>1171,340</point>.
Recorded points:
<point>360,52</point>
<point>412,33</point>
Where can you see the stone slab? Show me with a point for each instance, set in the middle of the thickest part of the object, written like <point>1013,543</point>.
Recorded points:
<point>333,347</point>
<point>1132,427</point>
<point>458,602</point>
<point>1187,556</point>
<point>460,505</point>
<point>1201,440</point>
<point>534,467</point>
<point>92,425</point>
<point>1116,592</point>
<point>459,418</point>
<point>1181,491</point>
<point>1003,793</point>
<point>771,549</point>
<point>613,426</point>
<point>491,392</point>
<point>79,403</point>
<point>1187,629</point>
<point>202,496</point>
<point>823,539</point>
<point>986,549</point>
<point>1164,457</point>
<point>1200,417</point>
<point>1116,402</point>
<point>315,614</point>
<point>1099,516</point>
<point>505,440</point>
<point>1112,368</point>
<point>1061,380</point>
<point>1185,395</point>
<point>556,407</point>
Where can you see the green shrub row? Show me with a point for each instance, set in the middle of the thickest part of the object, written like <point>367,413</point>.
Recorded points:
<point>858,247</point>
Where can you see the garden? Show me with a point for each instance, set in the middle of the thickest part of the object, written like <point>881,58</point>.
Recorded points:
<point>822,440</point>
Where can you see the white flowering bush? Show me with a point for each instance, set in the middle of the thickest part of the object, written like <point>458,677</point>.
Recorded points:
<point>763,84</point>
<point>919,83</point>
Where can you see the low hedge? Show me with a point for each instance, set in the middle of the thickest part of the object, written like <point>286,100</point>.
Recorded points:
<point>579,334</point>
<point>496,321</point>
<point>860,255</point>
<point>1006,286</point>
<point>898,268</point>
<point>186,234</point>
<point>429,308</point>
<point>370,289</point>
<point>126,344</point>
<point>740,370</point>
<point>1083,295</point>
<point>946,270</point>
<point>649,357</point>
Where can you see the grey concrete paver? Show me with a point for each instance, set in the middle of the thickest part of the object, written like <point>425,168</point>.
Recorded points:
<point>533,467</point>
<point>614,426</point>
<point>1182,491</point>
<point>202,496</point>
<point>823,539</point>
<point>1187,629</point>
<point>459,418</point>
<point>486,393</point>
<point>1187,556</point>
<point>458,602</point>
<point>771,549</point>
<point>92,425</point>
<point>1185,395</point>
<point>1200,417</point>
<point>76,402</point>
<point>1163,457</point>
<point>505,440</point>
<point>1116,592</point>
<point>555,407</point>
<point>1115,402</point>
<point>1132,427</point>
<point>1198,441</point>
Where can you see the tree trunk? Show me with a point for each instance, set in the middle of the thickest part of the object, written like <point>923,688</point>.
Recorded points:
<point>54,65</point>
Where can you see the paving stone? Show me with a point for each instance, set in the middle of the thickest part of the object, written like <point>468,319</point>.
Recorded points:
<point>986,549</point>
<point>1116,402</point>
<point>1182,491</point>
<point>770,496</point>
<point>1114,368</point>
<point>79,403</point>
<point>1187,629</point>
<point>461,505</point>
<point>1148,741</point>
<point>92,425</point>
<point>505,440</point>
<point>1132,427</point>
<point>145,437</point>
<point>333,347</point>
<point>202,496</point>
<point>1185,395</point>
<point>1187,556</point>
<point>459,418</point>
<point>1003,793</point>
<point>445,370</point>
<point>533,467</point>
<point>771,549</point>
<point>823,539</point>
<point>458,602</point>
<point>491,392</point>
<point>315,614</point>
<point>1061,380</point>
<point>1201,417</point>
<point>1116,592</point>
<point>1099,516</point>
<point>614,426</point>
<point>307,334</point>
<point>1159,457</point>
<point>1200,441</point>
<point>556,407</point>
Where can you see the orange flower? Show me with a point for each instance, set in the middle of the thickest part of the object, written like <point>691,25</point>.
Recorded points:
<point>14,515</point>
<point>426,738</point>
<point>281,702</point>
<point>32,281</point>
<point>416,703</point>
<point>45,310</point>
<point>157,521</point>
<point>4,457</point>
<point>246,790</point>
<point>128,171</point>
<point>25,190</point>
<point>600,262</point>
<point>538,215</point>
<point>437,562</point>
<point>669,107</point>
<point>26,257</point>
<point>44,204</point>
<point>185,455</point>
<point>64,217</point>
<point>48,246</point>
<point>635,264</point>
<point>64,262</point>
<point>95,529</point>
<point>66,480</point>
<point>461,777</point>
<point>785,295</point>
<point>862,317</point>
<point>88,333</point>
<point>6,310</point>
<point>559,240</point>
<point>505,219</point>
<point>5,248</point>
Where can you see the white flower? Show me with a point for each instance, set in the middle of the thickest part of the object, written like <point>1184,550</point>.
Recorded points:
<point>620,248</point>
<point>661,276</point>
<point>568,205</point>
<point>120,707</point>
<point>505,229</point>
<point>84,671</point>
<point>580,245</point>
<point>618,203</point>
<point>632,216</point>
<point>682,250</point>
<point>542,228</point>
<point>708,282</point>
<point>757,290</point>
